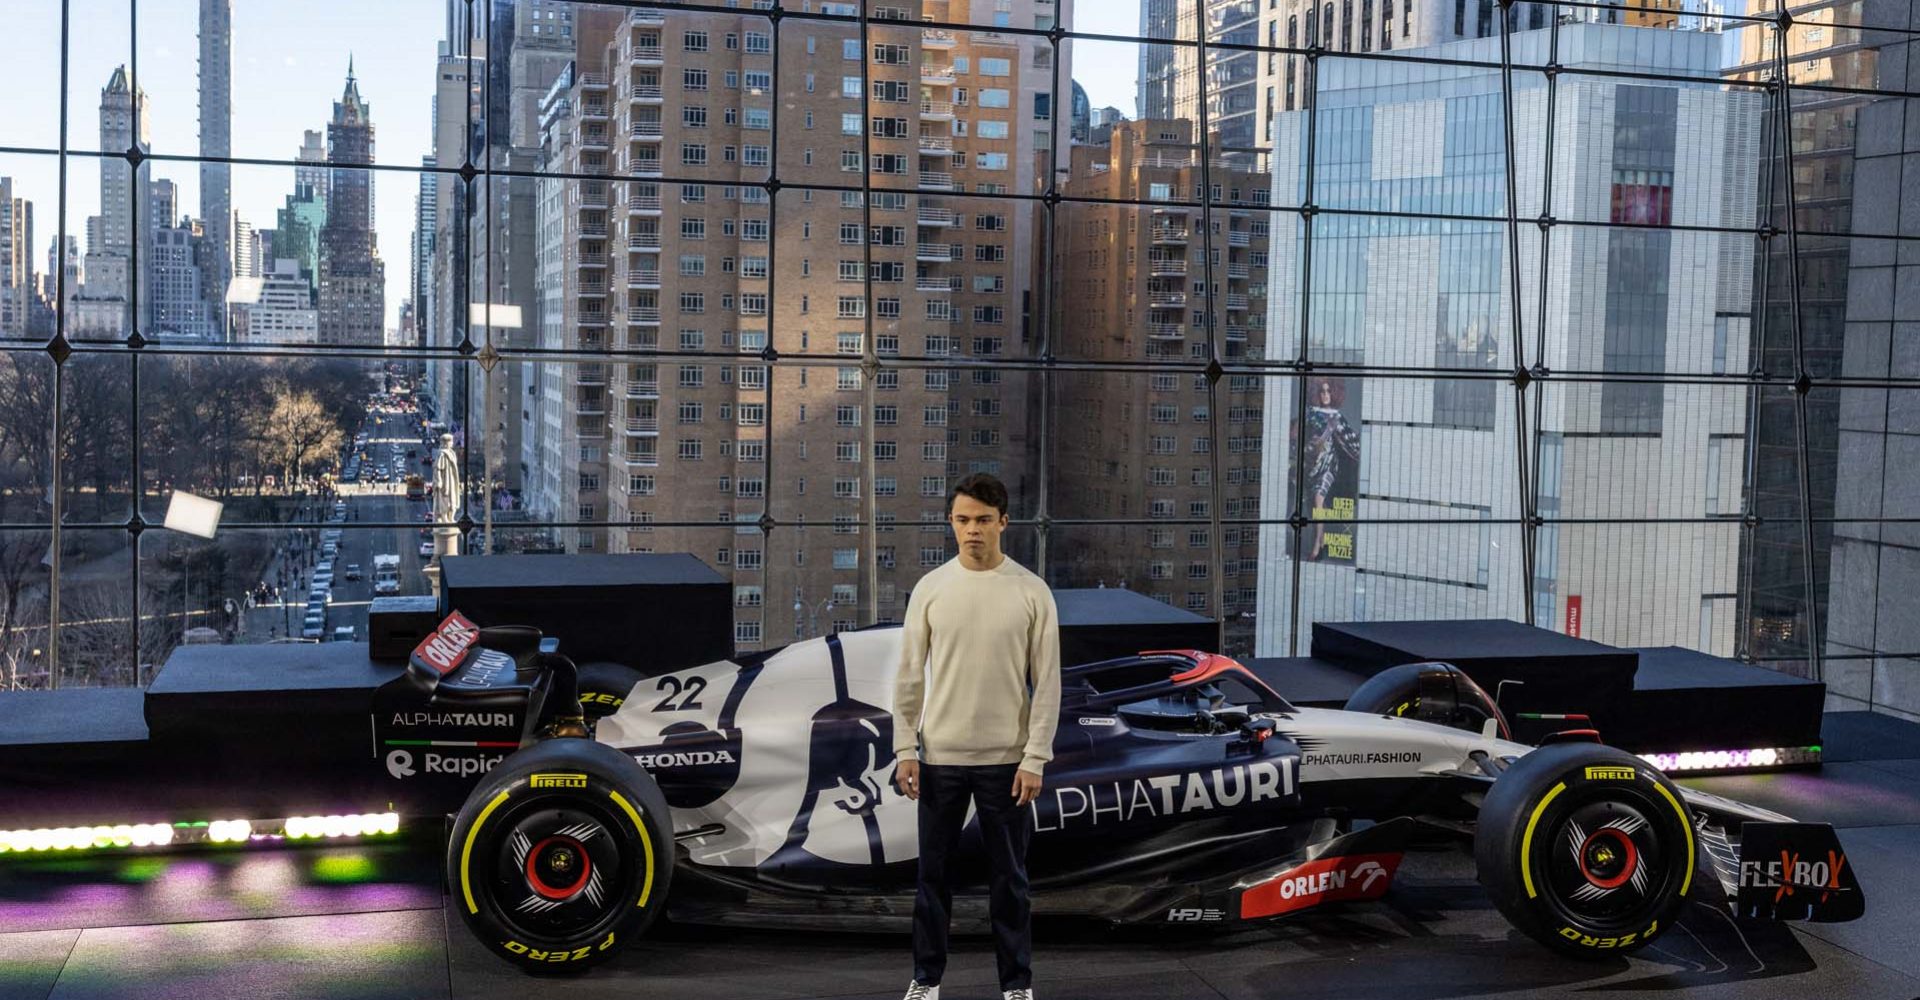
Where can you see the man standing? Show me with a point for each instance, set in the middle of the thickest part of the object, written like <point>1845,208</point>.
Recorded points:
<point>974,709</point>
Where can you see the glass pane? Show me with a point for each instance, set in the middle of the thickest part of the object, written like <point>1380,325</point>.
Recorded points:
<point>30,82</point>
<point>344,74</point>
<point>26,423</point>
<point>96,613</point>
<point>25,573</point>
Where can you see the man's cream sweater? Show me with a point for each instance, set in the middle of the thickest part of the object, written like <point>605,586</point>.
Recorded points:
<point>979,679</point>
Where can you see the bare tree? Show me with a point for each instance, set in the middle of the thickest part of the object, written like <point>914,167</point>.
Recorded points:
<point>21,556</point>
<point>96,637</point>
<point>297,429</point>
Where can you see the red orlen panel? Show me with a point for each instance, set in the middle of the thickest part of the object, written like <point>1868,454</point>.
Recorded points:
<point>1325,880</point>
<point>445,647</point>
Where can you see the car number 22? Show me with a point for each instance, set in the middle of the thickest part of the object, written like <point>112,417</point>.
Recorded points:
<point>686,692</point>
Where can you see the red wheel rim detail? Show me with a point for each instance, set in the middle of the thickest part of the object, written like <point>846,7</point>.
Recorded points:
<point>540,886</point>
<point>1626,870</point>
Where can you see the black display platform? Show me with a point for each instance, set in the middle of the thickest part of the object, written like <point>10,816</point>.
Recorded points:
<point>1686,700</point>
<point>298,699</point>
<point>1100,623</point>
<point>1307,681</point>
<point>1557,673</point>
<point>652,611</point>
<point>1656,700</point>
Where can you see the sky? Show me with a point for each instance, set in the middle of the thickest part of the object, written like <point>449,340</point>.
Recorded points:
<point>289,66</point>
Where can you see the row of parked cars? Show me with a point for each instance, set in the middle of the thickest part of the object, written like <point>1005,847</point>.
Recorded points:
<point>320,586</point>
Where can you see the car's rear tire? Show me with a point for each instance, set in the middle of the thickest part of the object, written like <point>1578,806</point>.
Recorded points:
<point>1435,692</point>
<point>561,856</point>
<point>1585,848</point>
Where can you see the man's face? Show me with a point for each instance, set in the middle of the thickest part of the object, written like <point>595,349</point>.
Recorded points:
<point>976,526</point>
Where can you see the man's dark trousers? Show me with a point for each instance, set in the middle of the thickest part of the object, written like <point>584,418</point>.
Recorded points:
<point>1005,830</point>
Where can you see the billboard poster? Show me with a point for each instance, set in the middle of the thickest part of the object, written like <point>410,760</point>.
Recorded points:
<point>1332,465</point>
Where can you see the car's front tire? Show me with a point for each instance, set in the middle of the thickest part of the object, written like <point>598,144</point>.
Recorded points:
<point>561,856</point>
<point>1585,848</point>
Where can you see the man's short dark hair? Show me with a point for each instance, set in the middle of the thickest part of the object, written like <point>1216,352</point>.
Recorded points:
<point>982,487</point>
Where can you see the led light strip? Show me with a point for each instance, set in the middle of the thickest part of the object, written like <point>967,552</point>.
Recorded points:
<point>219,831</point>
<point>1704,761</point>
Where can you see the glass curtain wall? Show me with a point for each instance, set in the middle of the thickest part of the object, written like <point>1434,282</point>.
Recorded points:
<point>1601,317</point>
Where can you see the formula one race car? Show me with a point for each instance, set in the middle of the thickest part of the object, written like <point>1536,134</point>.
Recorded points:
<point>1182,790</point>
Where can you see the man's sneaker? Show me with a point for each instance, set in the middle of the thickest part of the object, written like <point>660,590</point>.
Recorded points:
<point>918,991</point>
<point>1016,995</point>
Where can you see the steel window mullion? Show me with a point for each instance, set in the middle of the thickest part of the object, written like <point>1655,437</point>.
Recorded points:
<point>869,352</point>
<point>1528,495</point>
<point>1802,378</point>
<point>1531,531</point>
<point>1303,359</point>
<point>1049,214</point>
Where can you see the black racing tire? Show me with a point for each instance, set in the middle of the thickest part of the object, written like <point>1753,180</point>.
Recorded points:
<point>562,855</point>
<point>1396,691</point>
<point>604,687</point>
<point>1587,849</point>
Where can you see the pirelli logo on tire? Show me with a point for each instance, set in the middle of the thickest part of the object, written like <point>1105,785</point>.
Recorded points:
<point>557,780</point>
<point>1622,941</point>
<point>1611,774</point>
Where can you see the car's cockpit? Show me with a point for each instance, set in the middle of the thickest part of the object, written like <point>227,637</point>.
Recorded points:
<point>1174,691</point>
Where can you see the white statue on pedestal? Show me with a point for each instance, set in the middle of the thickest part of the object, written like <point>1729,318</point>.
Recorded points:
<point>446,507</point>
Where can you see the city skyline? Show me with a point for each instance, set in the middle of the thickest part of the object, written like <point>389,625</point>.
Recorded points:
<point>277,96</point>
<point>395,64</point>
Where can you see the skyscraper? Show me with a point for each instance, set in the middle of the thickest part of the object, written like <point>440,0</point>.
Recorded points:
<point>311,173</point>
<point>113,283</point>
<point>1660,288</point>
<point>17,292</point>
<point>922,267</point>
<point>216,126</point>
<point>1131,278</point>
<point>352,277</point>
<point>246,249</point>
<point>425,222</point>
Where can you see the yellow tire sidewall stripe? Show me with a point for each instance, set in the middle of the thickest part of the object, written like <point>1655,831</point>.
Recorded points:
<point>1685,824</point>
<point>646,843</point>
<point>466,850</point>
<point>1526,839</point>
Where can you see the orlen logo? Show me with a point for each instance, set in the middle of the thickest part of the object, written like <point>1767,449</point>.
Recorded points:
<point>443,648</point>
<point>557,780</point>
<point>1327,880</point>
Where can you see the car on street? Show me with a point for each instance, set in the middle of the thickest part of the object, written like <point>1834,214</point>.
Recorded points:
<point>314,625</point>
<point>426,550</point>
<point>353,571</point>
<point>343,633</point>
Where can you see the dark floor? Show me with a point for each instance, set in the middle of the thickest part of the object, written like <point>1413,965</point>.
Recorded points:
<point>368,922</point>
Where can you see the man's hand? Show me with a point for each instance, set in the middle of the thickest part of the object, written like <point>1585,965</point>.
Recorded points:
<point>1026,787</point>
<point>906,776</point>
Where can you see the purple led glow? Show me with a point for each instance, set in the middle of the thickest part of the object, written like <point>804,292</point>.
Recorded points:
<point>1693,761</point>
